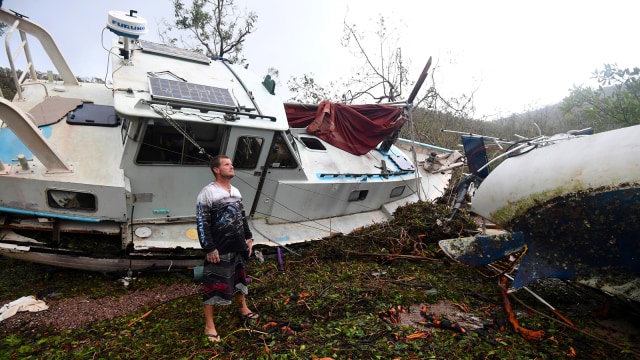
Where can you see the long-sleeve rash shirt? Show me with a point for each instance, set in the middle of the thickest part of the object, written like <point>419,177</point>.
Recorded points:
<point>221,220</point>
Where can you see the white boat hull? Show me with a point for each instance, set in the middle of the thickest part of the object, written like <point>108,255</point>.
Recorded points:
<point>605,160</point>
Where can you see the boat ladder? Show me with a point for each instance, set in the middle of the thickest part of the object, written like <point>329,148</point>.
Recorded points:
<point>19,22</point>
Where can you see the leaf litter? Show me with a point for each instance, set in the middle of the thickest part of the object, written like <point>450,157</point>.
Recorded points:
<point>383,291</point>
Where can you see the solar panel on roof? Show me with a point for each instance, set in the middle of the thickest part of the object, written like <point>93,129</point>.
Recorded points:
<point>174,52</point>
<point>189,93</point>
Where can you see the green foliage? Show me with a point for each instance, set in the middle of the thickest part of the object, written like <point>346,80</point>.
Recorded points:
<point>615,103</point>
<point>305,89</point>
<point>331,296</point>
<point>379,78</point>
<point>215,25</point>
<point>7,86</point>
<point>383,73</point>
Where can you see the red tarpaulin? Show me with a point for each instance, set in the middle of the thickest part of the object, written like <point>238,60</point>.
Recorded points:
<point>353,128</point>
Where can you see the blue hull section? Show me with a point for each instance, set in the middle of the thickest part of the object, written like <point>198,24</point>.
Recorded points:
<point>583,235</point>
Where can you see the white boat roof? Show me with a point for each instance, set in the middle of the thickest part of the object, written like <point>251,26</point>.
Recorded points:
<point>133,94</point>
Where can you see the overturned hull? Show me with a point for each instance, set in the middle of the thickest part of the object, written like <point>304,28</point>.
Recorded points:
<point>591,236</point>
<point>575,204</point>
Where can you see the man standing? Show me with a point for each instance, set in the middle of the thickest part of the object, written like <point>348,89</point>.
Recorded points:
<point>225,236</point>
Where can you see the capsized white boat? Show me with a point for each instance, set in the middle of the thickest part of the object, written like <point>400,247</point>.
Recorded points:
<point>127,159</point>
<point>572,201</point>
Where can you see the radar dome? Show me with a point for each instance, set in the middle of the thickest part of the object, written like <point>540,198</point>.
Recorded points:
<point>127,24</point>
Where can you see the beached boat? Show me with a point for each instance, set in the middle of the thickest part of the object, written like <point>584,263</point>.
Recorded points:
<point>127,159</point>
<point>570,201</point>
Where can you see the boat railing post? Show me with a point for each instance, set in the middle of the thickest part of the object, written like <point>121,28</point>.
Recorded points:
<point>10,57</point>
<point>30,135</point>
<point>26,26</point>
<point>24,164</point>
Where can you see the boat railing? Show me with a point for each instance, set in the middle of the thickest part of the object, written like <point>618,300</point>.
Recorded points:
<point>523,145</point>
<point>19,22</point>
<point>516,149</point>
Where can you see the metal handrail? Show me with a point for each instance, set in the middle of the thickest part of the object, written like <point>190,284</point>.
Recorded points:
<point>25,26</point>
<point>24,46</point>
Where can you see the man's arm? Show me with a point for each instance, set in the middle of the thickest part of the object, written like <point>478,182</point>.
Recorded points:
<point>248,236</point>
<point>205,236</point>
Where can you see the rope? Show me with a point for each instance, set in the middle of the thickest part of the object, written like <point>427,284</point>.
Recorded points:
<point>165,115</point>
<point>574,328</point>
<point>504,266</point>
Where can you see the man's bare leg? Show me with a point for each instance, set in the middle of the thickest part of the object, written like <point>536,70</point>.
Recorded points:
<point>244,310</point>
<point>210,327</point>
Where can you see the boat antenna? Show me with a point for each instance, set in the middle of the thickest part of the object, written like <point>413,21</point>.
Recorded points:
<point>421,79</point>
<point>408,105</point>
<point>409,108</point>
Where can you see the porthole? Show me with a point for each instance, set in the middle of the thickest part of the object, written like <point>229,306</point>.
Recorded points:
<point>358,195</point>
<point>397,191</point>
<point>72,200</point>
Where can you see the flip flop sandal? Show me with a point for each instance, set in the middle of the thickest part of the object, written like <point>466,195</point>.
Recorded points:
<point>214,338</point>
<point>250,316</point>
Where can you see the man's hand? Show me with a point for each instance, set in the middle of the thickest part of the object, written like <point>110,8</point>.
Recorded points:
<point>213,257</point>
<point>250,245</point>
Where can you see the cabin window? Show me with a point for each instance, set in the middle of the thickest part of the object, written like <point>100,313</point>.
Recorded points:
<point>163,144</point>
<point>397,191</point>
<point>66,199</point>
<point>280,156</point>
<point>312,143</point>
<point>358,195</point>
<point>247,152</point>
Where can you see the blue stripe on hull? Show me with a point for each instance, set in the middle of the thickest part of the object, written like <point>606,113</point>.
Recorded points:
<point>45,214</point>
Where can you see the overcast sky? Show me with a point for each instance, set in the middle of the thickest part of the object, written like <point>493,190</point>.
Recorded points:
<point>518,55</point>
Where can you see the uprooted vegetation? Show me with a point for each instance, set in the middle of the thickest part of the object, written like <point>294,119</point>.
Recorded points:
<point>384,291</point>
